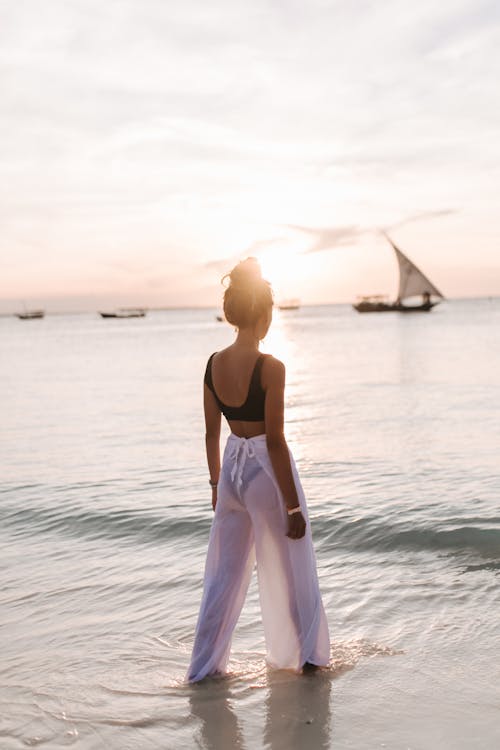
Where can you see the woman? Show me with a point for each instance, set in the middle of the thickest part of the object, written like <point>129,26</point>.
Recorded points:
<point>260,509</point>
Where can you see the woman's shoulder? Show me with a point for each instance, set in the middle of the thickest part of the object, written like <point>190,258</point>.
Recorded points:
<point>220,354</point>
<point>217,355</point>
<point>273,370</point>
<point>209,360</point>
<point>272,362</point>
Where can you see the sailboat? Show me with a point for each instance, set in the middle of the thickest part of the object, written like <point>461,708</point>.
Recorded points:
<point>29,314</point>
<point>412,283</point>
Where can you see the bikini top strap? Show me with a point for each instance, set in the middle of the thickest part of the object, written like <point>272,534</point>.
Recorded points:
<point>255,379</point>
<point>208,373</point>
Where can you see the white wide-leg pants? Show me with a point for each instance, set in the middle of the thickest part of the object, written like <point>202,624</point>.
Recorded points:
<point>249,525</point>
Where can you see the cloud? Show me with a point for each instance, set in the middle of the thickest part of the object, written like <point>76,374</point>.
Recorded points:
<point>423,216</point>
<point>327,238</point>
<point>255,247</point>
<point>222,265</point>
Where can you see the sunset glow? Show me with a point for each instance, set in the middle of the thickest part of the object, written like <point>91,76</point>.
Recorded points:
<point>285,267</point>
<point>148,146</point>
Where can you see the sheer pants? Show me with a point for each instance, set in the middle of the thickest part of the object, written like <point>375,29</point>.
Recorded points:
<point>249,526</point>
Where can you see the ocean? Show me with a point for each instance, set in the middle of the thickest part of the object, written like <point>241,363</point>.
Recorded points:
<point>394,422</point>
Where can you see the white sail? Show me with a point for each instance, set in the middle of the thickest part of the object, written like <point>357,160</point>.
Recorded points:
<point>411,279</point>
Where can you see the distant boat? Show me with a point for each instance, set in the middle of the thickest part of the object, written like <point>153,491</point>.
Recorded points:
<point>125,312</point>
<point>289,304</point>
<point>412,283</point>
<point>30,314</point>
<point>220,318</point>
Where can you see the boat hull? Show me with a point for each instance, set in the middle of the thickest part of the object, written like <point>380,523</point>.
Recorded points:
<point>292,303</point>
<point>123,315</point>
<point>33,315</point>
<point>365,307</point>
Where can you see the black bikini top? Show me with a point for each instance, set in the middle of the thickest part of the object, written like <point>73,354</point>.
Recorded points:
<point>252,409</point>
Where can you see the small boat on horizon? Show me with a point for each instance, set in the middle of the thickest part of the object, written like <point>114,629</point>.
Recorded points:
<point>125,312</point>
<point>289,304</point>
<point>30,314</point>
<point>412,283</point>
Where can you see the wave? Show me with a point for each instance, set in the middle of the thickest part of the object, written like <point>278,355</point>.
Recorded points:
<point>373,533</point>
<point>493,566</point>
<point>481,536</point>
<point>134,525</point>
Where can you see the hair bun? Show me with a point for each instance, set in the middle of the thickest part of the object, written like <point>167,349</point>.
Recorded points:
<point>248,296</point>
<point>246,272</point>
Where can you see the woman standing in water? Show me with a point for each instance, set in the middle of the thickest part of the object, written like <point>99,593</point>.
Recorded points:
<point>259,504</point>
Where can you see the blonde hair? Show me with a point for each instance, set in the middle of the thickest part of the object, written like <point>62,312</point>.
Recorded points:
<point>248,296</point>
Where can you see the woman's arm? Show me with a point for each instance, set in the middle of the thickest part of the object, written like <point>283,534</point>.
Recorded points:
<point>274,382</point>
<point>212,438</point>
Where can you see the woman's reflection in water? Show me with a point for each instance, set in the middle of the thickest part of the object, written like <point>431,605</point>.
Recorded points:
<point>297,713</point>
<point>212,703</point>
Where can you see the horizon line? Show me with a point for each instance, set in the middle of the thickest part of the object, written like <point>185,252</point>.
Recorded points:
<point>157,308</point>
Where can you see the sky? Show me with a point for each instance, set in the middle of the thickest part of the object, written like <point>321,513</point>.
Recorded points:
<point>148,145</point>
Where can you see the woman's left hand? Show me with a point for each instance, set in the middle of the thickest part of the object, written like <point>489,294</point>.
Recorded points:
<point>296,526</point>
<point>214,497</point>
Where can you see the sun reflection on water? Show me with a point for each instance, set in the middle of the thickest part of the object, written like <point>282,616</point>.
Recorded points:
<point>281,342</point>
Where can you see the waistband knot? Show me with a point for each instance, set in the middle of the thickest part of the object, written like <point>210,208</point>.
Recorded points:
<point>240,451</point>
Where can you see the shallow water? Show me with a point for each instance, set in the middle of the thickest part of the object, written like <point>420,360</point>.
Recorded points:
<point>394,422</point>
